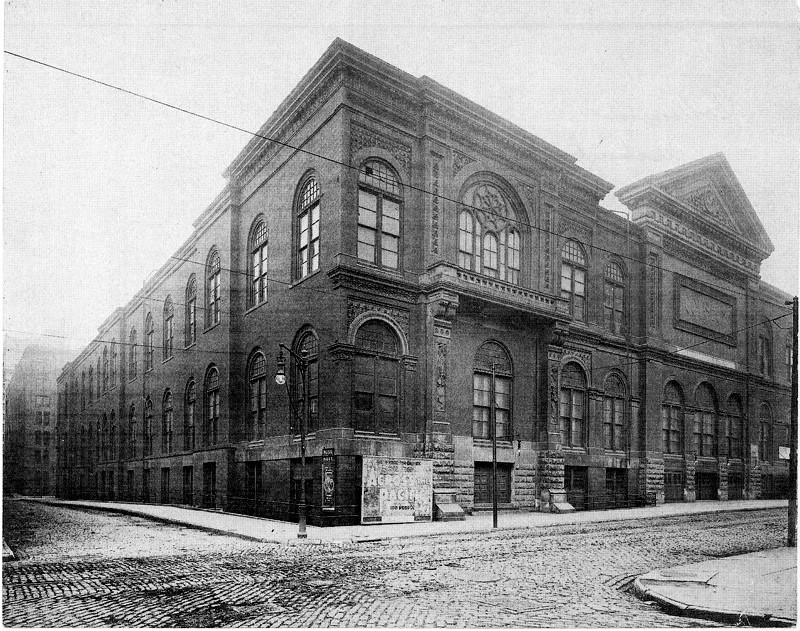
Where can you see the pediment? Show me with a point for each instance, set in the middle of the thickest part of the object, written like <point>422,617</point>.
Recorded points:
<point>707,194</point>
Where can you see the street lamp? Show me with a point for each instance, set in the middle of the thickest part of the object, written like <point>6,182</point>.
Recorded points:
<point>280,379</point>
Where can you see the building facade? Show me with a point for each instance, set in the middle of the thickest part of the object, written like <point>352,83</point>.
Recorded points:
<point>29,422</point>
<point>432,258</point>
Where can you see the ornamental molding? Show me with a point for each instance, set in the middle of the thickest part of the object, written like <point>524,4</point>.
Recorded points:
<point>435,203</point>
<point>365,280</point>
<point>357,308</point>
<point>460,160</point>
<point>547,256</point>
<point>289,128</point>
<point>568,226</point>
<point>384,113</point>
<point>382,92</point>
<point>362,137</point>
<point>583,357</point>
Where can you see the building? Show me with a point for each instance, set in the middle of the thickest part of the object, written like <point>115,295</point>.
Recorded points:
<point>29,421</point>
<point>424,251</point>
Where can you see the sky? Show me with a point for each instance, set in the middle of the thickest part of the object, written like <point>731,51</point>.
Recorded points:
<point>100,188</point>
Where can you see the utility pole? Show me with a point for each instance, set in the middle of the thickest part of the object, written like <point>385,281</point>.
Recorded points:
<point>792,535</point>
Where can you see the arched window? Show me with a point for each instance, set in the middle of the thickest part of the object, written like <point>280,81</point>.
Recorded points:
<point>132,431</point>
<point>492,360</point>
<point>112,436</point>
<point>572,406</point>
<point>380,196</point>
<point>166,423</point>
<point>149,343</point>
<point>614,298</point>
<point>672,419</point>
<point>614,413</point>
<point>191,311</point>
<point>376,378</point>
<point>114,358</point>
<point>105,369</point>
<point>573,278</point>
<point>308,342</point>
<point>99,377</point>
<point>734,429</point>
<point>213,271</point>
<point>91,384</point>
<point>705,421</point>
<point>308,229</point>
<point>211,406</point>
<point>189,415</point>
<point>132,368</point>
<point>258,264</point>
<point>765,433</point>
<point>488,242</point>
<point>257,377</point>
<point>147,431</point>
<point>169,314</point>
<point>103,442</point>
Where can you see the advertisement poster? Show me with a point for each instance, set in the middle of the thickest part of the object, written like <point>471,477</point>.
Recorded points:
<point>328,480</point>
<point>396,490</point>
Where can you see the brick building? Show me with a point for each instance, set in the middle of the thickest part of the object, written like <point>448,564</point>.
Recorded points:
<point>29,421</point>
<point>423,251</point>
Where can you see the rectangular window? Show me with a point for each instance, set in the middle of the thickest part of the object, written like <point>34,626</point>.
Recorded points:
<point>367,225</point>
<point>258,407</point>
<point>481,402</point>
<point>192,315</point>
<point>165,485</point>
<point>188,485</point>
<point>613,423</point>
<point>571,414</point>
<point>734,437</point>
<point>213,417</point>
<point>168,338</point>
<point>390,234</point>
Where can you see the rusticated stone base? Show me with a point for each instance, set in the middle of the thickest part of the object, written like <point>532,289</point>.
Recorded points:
<point>651,479</point>
<point>524,485</point>
<point>754,488</point>
<point>722,477</point>
<point>689,486</point>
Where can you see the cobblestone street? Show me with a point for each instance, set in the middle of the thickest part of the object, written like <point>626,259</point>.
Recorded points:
<point>82,568</point>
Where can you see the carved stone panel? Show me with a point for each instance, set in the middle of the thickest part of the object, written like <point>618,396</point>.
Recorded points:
<point>435,205</point>
<point>705,311</point>
<point>361,137</point>
<point>356,307</point>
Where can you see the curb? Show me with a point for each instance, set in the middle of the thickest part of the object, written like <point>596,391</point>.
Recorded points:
<point>729,618</point>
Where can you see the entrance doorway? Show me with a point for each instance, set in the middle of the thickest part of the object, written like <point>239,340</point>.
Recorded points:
<point>483,483</point>
<point>209,484</point>
<point>706,485</point>
<point>673,486</point>
<point>576,484</point>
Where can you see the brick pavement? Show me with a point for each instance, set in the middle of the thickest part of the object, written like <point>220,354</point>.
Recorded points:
<point>549,576</point>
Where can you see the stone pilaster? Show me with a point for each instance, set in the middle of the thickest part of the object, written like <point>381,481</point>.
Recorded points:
<point>722,477</point>
<point>651,479</point>
<point>551,474</point>
<point>524,483</point>
<point>754,486</point>
<point>689,488</point>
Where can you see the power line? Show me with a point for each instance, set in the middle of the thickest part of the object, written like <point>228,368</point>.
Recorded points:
<point>424,191</point>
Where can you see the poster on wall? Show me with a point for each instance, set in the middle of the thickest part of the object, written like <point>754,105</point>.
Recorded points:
<point>396,490</point>
<point>328,479</point>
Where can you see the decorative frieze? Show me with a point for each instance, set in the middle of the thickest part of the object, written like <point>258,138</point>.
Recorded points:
<point>362,137</point>
<point>547,256</point>
<point>653,291</point>
<point>441,375</point>
<point>583,357</point>
<point>568,227</point>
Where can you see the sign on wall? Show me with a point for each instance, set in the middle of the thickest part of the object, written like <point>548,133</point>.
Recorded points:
<point>328,479</point>
<point>396,490</point>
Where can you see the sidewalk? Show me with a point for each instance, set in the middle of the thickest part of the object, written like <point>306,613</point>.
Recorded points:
<point>758,589</point>
<point>260,529</point>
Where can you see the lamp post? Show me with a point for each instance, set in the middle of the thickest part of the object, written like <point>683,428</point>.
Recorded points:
<point>493,421</point>
<point>280,379</point>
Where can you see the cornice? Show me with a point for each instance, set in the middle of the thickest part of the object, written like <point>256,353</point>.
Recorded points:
<point>374,282</point>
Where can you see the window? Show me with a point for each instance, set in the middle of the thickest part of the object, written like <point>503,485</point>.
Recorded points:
<point>188,415</point>
<point>572,405</point>
<point>765,353</point>
<point>614,414</point>
<point>614,298</point>
<point>491,358</point>
<point>113,363</point>
<point>132,432</point>
<point>379,197</point>
<point>91,384</point>
<point>376,378</point>
<point>112,437</point>
<point>105,370</point>
<point>573,278</point>
<point>308,229</point>
<point>212,406</point>
<point>212,289</point>
<point>705,421</point>
<point>99,378</point>
<point>672,419</point>
<point>166,424</point>
<point>149,347</point>
<point>258,267</point>
<point>488,243</point>
<point>147,432</point>
<point>169,313</point>
<point>734,429</point>
<point>308,342</point>
<point>258,396</point>
<point>191,311</point>
<point>83,390</point>
<point>132,368</point>
<point>765,433</point>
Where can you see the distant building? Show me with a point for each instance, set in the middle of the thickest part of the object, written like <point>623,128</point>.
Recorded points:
<point>424,252</point>
<point>29,422</point>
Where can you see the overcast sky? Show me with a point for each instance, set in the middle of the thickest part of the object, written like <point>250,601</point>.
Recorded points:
<point>100,187</point>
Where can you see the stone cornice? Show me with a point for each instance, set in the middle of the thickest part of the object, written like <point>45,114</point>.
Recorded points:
<point>373,281</point>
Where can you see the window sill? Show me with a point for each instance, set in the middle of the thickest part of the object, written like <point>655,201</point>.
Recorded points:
<point>252,308</point>
<point>487,442</point>
<point>361,433</point>
<point>212,327</point>
<point>168,359</point>
<point>190,345</point>
<point>394,271</point>
<point>298,281</point>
